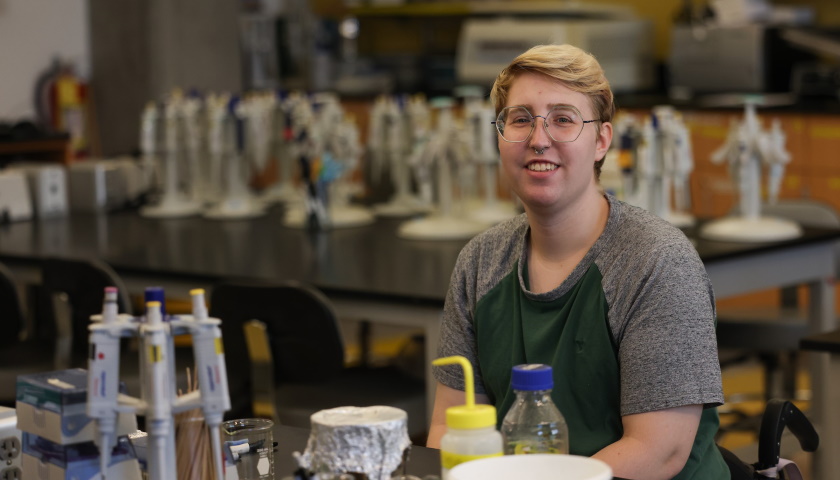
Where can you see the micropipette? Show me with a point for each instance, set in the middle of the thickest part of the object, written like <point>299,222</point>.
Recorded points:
<point>103,377</point>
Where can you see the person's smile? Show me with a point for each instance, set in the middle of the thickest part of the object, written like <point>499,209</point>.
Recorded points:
<point>541,166</point>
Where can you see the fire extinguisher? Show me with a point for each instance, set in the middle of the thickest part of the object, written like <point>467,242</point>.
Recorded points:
<point>61,97</point>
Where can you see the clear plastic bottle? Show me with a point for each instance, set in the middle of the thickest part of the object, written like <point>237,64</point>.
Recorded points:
<point>470,429</point>
<point>534,424</point>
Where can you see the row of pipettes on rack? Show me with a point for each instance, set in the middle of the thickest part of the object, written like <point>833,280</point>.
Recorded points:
<point>655,158</point>
<point>432,153</point>
<point>158,400</point>
<point>208,148</point>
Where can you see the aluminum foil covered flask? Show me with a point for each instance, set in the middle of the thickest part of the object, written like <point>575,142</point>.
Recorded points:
<point>360,440</point>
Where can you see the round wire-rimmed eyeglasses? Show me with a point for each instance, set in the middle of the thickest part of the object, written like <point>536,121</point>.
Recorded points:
<point>563,123</point>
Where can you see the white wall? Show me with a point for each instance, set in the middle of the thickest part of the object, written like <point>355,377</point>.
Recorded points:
<point>32,34</point>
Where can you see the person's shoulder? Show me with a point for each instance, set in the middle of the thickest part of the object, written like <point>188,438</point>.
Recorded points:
<point>499,240</point>
<point>641,234</point>
<point>646,227</point>
<point>506,230</point>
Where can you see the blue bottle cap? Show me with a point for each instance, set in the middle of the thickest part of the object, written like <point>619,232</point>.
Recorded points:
<point>529,377</point>
<point>155,294</point>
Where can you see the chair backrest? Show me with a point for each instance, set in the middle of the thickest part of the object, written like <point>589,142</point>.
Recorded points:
<point>11,311</point>
<point>81,283</point>
<point>301,326</point>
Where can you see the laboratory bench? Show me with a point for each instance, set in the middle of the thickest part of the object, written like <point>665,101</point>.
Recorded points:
<point>826,347</point>
<point>422,461</point>
<point>369,273</point>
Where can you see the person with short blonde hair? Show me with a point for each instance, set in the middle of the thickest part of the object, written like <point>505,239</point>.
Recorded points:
<point>615,299</point>
<point>576,69</point>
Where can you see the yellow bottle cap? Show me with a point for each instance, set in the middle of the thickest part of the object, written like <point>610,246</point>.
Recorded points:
<point>469,416</point>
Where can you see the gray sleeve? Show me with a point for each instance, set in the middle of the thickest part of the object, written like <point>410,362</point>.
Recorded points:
<point>668,349</point>
<point>457,336</point>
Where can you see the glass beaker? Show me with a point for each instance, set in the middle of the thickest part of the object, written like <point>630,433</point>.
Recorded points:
<point>249,447</point>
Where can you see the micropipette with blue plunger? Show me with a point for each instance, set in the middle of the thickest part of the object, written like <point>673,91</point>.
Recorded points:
<point>159,410</point>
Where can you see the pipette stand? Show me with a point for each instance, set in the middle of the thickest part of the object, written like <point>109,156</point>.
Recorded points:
<point>236,208</point>
<point>401,135</point>
<point>283,191</point>
<point>173,203</point>
<point>493,213</point>
<point>481,141</point>
<point>403,203</point>
<point>171,206</point>
<point>338,214</point>
<point>492,210</point>
<point>344,214</point>
<point>680,219</point>
<point>439,227</point>
<point>158,401</point>
<point>400,206</point>
<point>743,229</point>
<point>746,149</point>
<point>238,202</point>
<point>673,162</point>
<point>330,140</point>
<point>440,152</point>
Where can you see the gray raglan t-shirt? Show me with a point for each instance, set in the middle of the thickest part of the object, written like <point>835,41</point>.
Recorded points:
<point>660,301</point>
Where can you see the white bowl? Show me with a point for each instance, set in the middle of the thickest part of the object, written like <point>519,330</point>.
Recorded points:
<point>532,467</point>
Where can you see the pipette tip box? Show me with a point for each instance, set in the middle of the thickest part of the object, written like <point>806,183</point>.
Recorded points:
<point>52,406</point>
<point>46,460</point>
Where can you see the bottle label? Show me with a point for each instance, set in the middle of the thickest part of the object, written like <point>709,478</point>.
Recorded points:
<point>527,448</point>
<point>449,459</point>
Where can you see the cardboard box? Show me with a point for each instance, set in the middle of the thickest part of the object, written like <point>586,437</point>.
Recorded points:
<point>52,406</point>
<point>45,460</point>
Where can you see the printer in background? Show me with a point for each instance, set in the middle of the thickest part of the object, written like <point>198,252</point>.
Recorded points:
<point>730,59</point>
<point>623,46</point>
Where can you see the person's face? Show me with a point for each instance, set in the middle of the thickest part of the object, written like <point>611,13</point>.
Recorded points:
<point>563,172</point>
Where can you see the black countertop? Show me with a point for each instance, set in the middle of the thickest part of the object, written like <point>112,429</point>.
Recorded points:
<point>822,342</point>
<point>368,261</point>
<point>421,462</point>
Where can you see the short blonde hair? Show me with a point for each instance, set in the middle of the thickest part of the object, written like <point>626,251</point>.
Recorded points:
<point>571,66</point>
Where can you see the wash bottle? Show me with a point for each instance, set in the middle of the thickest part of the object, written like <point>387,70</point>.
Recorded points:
<point>470,429</point>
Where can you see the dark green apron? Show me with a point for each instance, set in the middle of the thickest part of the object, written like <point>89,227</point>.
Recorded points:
<point>572,335</point>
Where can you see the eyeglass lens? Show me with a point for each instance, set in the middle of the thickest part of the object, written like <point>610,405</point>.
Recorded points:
<point>563,123</point>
